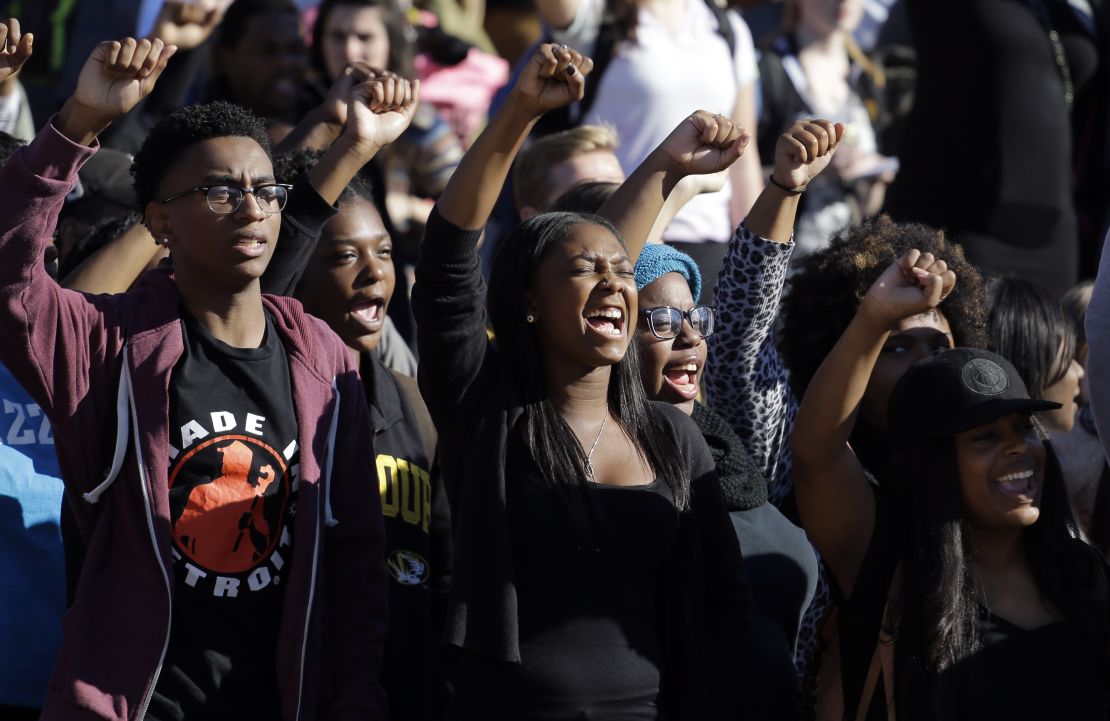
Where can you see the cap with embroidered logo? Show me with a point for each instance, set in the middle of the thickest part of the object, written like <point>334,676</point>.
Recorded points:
<point>955,391</point>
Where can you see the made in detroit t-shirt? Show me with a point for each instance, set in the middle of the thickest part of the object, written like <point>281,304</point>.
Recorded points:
<point>233,471</point>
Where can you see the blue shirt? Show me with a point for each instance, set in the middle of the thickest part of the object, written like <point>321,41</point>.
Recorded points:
<point>32,566</point>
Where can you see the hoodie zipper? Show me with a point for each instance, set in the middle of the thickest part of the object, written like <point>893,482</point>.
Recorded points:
<point>148,507</point>
<point>307,618</point>
<point>312,578</point>
<point>315,544</point>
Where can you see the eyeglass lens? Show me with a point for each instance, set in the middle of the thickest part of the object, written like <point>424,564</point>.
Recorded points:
<point>228,198</point>
<point>667,322</point>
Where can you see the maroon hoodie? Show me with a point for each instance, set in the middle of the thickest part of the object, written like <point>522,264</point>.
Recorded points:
<point>83,357</point>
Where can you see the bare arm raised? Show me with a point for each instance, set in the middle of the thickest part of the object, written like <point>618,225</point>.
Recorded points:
<point>801,153</point>
<point>835,500</point>
<point>702,144</point>
<point>378,108</point>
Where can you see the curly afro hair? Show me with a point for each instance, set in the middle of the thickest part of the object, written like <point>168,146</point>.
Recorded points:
<point>292,164</point>
<point>827,287</point>
<point>183,128</point>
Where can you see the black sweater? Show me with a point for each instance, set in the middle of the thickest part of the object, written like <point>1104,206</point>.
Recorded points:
<point>474,404</point>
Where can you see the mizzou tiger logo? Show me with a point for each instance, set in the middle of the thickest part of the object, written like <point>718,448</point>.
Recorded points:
<point>231,519</point>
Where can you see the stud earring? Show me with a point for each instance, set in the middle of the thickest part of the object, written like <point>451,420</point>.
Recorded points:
<point>530,318</point>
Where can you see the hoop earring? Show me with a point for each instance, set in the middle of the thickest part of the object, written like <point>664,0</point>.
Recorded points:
<point>530,318</point>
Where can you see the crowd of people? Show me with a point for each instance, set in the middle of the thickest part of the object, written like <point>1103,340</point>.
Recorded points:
<point>649,360</point>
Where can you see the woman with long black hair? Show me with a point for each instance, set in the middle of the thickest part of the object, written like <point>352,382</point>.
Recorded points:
<point>961,571</point>
<point>1027,327</point>
<point>596,573</point>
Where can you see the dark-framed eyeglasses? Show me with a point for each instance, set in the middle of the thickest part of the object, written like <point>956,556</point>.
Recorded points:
<point>665,322</point>
<point>226,199</point>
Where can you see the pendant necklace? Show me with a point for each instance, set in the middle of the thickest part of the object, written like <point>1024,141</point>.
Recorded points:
<point>590,455</point>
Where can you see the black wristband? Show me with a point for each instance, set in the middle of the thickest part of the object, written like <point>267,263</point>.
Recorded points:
<point>790,191</point>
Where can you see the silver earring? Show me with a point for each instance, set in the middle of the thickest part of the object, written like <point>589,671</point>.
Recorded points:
<point>530,318</point>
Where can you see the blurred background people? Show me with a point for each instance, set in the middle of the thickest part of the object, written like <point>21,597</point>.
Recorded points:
<point>1007,140</point>
<point>816,69</point>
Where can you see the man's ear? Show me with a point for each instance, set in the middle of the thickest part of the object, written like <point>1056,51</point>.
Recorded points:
<point>157,220</point>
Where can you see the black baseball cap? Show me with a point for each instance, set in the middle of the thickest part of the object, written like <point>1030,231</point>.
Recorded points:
<point>955,391</point>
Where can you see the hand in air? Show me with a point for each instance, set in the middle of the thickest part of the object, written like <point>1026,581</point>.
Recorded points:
<point>379,110</point>
<point>704,143</point>
<point>553,78</point>
<point>118,74</point>
<point>15,48</point>
<point>804,150</point>
<point>915,283</point>
<point>187,24</point>
<point>335,102</point>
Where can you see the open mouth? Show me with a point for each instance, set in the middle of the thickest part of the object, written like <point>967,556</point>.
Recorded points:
<point>251,246</point>
<point>683,378</point>
<point>606,321</point>
<point>369,312</point>
<point>1020,484</point>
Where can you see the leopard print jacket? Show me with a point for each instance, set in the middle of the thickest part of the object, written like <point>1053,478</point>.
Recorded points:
<point>747,384</point>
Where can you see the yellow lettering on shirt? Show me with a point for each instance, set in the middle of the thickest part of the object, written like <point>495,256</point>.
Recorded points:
<point>406,490</point>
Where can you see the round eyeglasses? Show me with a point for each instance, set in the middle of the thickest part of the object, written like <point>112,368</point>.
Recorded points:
<point>226,199</point>
<point>665,322</point>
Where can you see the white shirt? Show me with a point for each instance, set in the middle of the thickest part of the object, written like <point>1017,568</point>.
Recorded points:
<point>651,85</point>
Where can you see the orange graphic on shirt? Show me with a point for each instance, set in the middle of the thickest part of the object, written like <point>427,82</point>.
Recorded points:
<point>224,525</point>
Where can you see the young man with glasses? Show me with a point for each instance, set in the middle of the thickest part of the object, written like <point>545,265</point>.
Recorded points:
<point>213,440</point>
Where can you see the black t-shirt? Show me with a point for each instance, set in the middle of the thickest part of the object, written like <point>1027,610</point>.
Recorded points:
<point>233,476</point>
<point>1048,672</point>
<point>587,583</point>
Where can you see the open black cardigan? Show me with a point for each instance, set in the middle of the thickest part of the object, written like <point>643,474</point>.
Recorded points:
<point>473,400</point>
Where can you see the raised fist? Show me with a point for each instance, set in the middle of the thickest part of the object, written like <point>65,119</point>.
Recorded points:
<point>118,74</point>
<point>553,78</point>
<point>14,50</point>
<point>379,110</point>
<point>913,284</point>
<point>804,150</point>
<point>187,24</point>
<point>704,143</point>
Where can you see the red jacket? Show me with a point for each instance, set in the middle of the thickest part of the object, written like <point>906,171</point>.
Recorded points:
<point>68,350</point>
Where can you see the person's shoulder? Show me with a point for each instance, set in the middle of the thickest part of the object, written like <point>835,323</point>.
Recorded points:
<point>408,386</point>
<point>312,337</point>
<point>682,426</point>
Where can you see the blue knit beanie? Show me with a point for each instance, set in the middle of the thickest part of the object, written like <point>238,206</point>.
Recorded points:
<point>657,260</point>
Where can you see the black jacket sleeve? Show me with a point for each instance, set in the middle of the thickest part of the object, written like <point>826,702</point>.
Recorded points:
<point>449,303</point>
<point>302,221</point>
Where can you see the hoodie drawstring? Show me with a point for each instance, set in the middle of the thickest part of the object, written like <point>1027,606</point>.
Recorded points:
<point>329,518</point>
<point>123,429</point>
